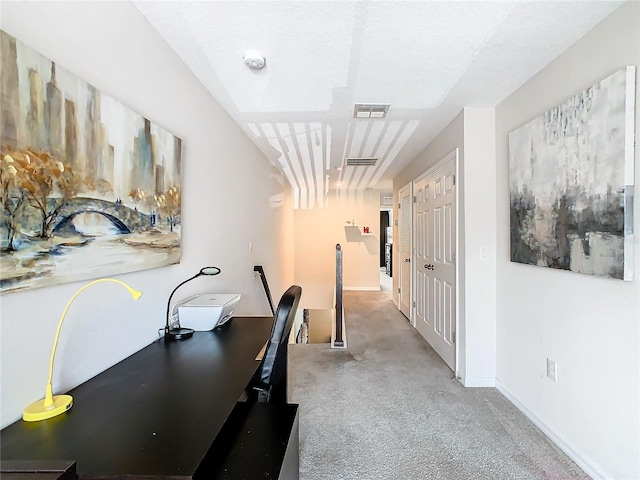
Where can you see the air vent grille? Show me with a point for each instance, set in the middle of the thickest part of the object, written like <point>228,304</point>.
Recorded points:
<point>370,110</point>
<point>362,162</point>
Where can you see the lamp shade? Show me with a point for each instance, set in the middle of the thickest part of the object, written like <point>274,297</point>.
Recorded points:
<point>52,405</point>
<point>176,332</point>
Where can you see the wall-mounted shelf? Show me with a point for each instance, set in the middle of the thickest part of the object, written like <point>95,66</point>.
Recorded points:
<point>348,225</point>
<point>355,234</point>
<point>369,240</point>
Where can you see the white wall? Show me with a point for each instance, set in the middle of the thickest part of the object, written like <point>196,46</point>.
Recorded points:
<point>478,364</point>
<point>226,203</point>
<point>318,230</point>
<point>451,137</point>
<point>590,326</point>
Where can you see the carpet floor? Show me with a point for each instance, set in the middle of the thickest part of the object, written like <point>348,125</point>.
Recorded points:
<point>389,408</point>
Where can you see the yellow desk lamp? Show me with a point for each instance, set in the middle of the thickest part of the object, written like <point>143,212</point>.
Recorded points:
<point>52,405</point>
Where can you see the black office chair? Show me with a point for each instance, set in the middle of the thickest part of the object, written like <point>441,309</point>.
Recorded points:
<point>270,382</point>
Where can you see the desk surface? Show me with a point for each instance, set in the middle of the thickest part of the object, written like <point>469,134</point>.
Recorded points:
<point>154,413</point>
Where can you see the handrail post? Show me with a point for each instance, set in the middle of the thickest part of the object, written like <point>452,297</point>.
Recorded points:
<point>339,342</point>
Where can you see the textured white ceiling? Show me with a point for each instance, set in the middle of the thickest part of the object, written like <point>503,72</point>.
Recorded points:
<point>428,59</point>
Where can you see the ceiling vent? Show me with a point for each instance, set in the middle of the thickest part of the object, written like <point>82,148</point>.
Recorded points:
<point>370,110</point>
<point>361,162</point>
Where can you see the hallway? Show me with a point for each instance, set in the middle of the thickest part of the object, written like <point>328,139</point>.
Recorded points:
<point>388,408</point>
<point>386,282</point>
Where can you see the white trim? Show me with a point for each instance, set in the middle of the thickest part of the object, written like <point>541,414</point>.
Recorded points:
<point>408,186</point>
<point>629,138</point>
<point>586,464</point>
<point>363,289</point>
<point>629,122</point>
<point>479,382</point>
<point>459,253</point>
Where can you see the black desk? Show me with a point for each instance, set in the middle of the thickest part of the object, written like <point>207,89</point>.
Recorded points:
<point>154,413</point>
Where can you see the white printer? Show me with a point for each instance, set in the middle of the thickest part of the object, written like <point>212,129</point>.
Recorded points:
<point>207,311</point>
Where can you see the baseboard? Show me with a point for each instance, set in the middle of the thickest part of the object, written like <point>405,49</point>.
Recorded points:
<point>582,461</point>
<point>479,382</point>
<point>363,289</point>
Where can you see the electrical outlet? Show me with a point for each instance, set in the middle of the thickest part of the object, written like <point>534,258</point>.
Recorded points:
<point>552,370</point>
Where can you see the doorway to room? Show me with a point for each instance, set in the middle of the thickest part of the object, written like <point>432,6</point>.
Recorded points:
<point>386,245</point>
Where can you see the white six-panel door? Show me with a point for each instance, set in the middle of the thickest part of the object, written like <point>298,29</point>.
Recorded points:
<point>435,259</point>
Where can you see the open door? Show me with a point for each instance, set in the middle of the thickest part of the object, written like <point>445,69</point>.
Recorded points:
<point>404,250</point>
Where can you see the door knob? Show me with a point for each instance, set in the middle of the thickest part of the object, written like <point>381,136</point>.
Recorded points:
<point>408,260</point>
<point>429,266</point>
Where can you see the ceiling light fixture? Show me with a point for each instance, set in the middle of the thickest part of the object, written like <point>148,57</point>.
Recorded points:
<point>254,60</point>
<point>370,110</point>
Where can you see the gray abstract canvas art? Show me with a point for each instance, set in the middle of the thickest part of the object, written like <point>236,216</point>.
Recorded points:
<point>88,187</point>
<point>571,182</point>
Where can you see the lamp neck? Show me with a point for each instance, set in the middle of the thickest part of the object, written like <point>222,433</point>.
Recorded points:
<point>166,328</point>
<point>48,397</point>
<point>64,313</point>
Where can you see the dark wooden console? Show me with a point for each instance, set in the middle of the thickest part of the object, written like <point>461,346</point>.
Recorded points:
<point>164,411</point>
<point>38,470</point>
<point>258,440</point>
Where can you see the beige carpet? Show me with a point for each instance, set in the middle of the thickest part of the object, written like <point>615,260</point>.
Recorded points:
<point>387,408</point>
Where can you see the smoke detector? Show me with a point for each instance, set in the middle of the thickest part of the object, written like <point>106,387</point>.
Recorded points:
<point>254,60</point>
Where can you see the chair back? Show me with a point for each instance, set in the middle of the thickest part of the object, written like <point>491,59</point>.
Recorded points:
<point>272,373</point>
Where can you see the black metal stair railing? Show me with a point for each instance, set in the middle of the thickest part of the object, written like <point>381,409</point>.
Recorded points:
<point>265,284</point>
<point>339,342</point>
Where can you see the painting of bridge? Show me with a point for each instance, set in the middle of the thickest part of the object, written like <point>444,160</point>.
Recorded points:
<point>88,187</point>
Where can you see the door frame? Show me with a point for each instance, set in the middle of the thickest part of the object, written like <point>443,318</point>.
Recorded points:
<point>455,156</point>
<point>408,185</point>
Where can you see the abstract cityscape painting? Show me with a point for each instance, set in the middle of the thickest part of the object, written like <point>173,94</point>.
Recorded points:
<point>89,188</point>
<point>571,182</point>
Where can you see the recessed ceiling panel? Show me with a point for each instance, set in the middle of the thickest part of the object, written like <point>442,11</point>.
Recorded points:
<point>291,35</point>
<point>358,136</point>
<point>399,142</point>
<point>414,52</point>
<point>428,59</point>
<point>373,138</point>
<point>212,37</point>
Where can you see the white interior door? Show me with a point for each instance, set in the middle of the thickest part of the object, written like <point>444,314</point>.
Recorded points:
<point>404,251</point>
<point>435,259</point>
